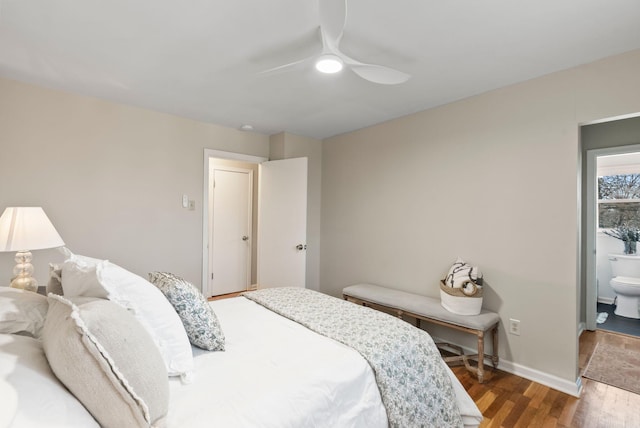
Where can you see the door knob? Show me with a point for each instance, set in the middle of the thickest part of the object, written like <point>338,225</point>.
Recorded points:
<point>301,247</point>
<point>245,238</point>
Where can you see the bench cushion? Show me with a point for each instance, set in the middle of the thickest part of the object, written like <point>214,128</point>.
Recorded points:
<point>428,307</point>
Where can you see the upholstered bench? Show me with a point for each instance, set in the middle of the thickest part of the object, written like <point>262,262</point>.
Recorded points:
<point>429,309</point>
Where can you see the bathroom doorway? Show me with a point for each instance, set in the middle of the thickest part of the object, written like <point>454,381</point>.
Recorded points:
<point>603,138</point>
<point>617,232</point>
<point>608,137</point>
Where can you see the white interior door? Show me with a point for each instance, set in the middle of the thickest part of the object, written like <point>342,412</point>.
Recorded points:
<point>231,230</point>
<point>282,223</point>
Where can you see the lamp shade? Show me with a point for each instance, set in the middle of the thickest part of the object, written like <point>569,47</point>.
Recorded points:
<point>27,228</point>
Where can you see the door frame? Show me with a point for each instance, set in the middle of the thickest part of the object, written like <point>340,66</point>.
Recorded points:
<point>215,154</point>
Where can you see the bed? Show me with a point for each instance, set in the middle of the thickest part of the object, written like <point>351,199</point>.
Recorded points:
<point>273,372</point>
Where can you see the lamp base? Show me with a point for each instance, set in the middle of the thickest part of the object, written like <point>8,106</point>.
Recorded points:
<point>23,271</point>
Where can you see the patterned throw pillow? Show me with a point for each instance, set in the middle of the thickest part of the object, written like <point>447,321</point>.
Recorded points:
<point>198,318</point>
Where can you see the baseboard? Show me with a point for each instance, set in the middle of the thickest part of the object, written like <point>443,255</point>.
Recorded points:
<point>581,328</point>
<point>546,379</point>
<point>606,300</point>
<point>562,385</point>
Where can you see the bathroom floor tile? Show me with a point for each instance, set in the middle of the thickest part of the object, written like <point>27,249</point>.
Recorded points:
<point>617,323</point>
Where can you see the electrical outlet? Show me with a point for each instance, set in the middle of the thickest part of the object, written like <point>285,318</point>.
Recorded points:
<point>514,326</point>
<point>192,205</point>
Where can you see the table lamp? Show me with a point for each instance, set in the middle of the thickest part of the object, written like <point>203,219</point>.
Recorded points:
<point>23,229</point>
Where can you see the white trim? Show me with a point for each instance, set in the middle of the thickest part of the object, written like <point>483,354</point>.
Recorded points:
<point>591,289</point>
<point>552,381</point>
<point>581,328</point>
<point>605,171</point>
<point>562,385</point>
<point>218,154</point>
<point>617,201</point>
<point>606,300</point>
<point>612,119</point>
<point>209,153</point>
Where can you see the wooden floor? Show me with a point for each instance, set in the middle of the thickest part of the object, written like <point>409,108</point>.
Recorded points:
<point>225,296</point>
<point>507,400</point>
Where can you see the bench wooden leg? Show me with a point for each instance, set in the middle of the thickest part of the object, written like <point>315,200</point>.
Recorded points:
<point>495,358</point>
<point>480,356</point>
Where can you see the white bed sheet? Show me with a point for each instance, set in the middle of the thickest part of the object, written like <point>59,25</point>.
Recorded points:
<point>275,371</point>
<point>30,394</point>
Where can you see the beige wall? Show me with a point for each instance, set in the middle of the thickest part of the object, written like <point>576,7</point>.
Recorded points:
<point>110,177</point>
<point>493,179</point>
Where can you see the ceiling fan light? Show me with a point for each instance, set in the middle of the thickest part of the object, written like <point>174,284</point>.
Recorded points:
<point>329,64</point>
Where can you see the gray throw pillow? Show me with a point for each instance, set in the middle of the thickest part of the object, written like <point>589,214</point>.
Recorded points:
<point>106,358</point>
<point>198,318</point>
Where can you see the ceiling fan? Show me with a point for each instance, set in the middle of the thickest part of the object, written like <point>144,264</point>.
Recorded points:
<point>333,17</point>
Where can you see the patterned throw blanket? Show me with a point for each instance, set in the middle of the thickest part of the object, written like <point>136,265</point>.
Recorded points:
<point>414,386</point>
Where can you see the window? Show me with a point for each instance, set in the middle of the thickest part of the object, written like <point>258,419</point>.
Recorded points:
<point>619,201</point>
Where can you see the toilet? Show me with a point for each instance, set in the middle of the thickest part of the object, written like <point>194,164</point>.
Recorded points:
<point>626,283</point>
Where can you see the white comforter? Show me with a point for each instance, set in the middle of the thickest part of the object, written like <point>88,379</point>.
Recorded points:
<point>274,373</point>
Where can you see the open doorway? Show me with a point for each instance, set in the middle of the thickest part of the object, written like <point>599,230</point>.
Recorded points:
<point>230,255</point>
<point>232,226</point>
<point>274,234</point>
<point>603,138</point>
<point>617,234</point>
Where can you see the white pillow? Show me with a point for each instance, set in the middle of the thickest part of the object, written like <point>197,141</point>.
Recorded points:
<point>79,277</point>
<point>101,278</point>
<point>108,361</point>
<point>22,311</point>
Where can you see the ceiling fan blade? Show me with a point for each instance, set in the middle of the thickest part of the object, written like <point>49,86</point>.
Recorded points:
<point>285,66</point>
<point>380,74</point>
<point>333,17</point>
<point>375,73</point>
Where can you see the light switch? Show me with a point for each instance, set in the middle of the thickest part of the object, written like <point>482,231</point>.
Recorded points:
<point>185,201</point>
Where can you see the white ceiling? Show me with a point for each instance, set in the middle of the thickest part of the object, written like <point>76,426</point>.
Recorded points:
<point>202,58</point>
